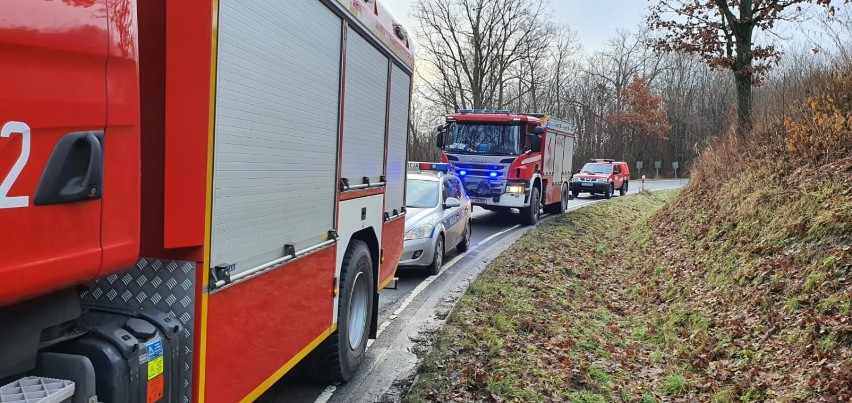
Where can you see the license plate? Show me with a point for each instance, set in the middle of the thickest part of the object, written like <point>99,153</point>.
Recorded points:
<point>480,200</point>
<point>586,184</point>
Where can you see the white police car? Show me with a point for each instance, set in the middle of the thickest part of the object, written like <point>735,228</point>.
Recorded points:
<point>437,216</point>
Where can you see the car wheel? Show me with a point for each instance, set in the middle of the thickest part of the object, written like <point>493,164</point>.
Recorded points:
<point>438,259</point>
<point>623,190</point>
<point>529,215</point>
<point>609,191</point>
<point>344,350</point>
<point>575,193</point>
<point>464,245</point>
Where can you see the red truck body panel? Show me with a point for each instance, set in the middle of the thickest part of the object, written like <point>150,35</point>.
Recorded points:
<point>53,79</point>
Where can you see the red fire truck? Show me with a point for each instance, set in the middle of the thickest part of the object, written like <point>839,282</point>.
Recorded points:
<point>508,160</point>
<point>195,195</point>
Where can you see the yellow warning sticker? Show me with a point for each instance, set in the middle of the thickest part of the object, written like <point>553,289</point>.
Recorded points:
<point>155,367</point>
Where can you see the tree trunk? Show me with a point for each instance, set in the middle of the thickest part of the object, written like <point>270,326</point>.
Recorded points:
<point>744,89</point>
<point>743,74</point>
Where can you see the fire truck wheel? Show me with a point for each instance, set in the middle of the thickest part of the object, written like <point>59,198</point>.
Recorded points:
<point>560,206</point>
<point>563,202</point>
<point>609,191</point>
<point>344,349</point>
<point>438,260</point>
<point>529,215</point>
<point>464,245</point>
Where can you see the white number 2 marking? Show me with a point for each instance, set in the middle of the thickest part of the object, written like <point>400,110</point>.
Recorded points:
<point>16,201</point>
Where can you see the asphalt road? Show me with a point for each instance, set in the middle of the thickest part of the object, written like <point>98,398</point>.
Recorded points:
<point>416,308</point>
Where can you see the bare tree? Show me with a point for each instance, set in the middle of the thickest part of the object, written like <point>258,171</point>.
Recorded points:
<point>468,47</point>
<point>722,33</point>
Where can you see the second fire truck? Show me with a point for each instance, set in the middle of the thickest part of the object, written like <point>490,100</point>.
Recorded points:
<point>510,160</point>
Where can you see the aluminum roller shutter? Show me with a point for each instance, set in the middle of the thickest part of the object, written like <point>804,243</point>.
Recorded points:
<point>567,157</point>
<point>275,154</point>
<point>397,140</point>
<point>364,111</point>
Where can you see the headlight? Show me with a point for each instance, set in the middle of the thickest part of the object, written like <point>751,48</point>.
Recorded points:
<point>420,231</point>
<point>515,189</point>
<point>600,180</point>
<point>576,179</point>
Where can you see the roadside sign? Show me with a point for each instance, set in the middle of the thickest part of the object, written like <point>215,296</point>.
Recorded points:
<point>658,164</point>
<point>675,165</point>
<point>639,164</point>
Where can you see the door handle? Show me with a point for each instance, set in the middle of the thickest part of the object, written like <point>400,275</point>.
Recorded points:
<point>74,171</point>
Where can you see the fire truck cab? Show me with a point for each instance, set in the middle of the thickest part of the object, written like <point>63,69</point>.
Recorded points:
<point>508,160</point>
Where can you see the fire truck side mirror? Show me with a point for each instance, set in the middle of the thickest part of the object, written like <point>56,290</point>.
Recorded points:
<point>535,142</point>
<point>538,130</point>
<point>439,140</point>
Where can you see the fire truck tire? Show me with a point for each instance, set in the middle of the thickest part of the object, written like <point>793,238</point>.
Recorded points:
<point>560,206</point>
<point>563,201</point>
<point>438,260</point>
<point>344,349</point>
<point>529,215</point>
<point>464,245</point>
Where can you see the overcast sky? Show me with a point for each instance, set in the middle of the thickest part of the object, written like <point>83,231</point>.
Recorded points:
<point>595,21</point>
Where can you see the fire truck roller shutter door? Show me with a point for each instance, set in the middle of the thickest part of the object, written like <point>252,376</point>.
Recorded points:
<point>276,130</point>
<point>568,158</point>
<point>364,110</point>
<point>397,139</point>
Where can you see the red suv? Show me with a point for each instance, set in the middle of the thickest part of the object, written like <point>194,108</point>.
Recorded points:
<point>601,176</point>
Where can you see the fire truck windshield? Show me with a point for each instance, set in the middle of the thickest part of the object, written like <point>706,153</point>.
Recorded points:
<point>478,138</point>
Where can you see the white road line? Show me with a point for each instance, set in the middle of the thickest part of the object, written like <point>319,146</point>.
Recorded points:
<point>326,394</point>
<point>484,241</point>
<point>572,208</point>
<point>414,293</point>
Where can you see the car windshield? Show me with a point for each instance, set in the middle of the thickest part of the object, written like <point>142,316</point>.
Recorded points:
<point>421,193</point>
<point>597,168</point>
<point>477,138</point>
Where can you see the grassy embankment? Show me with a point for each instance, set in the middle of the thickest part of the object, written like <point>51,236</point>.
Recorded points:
<point>739,288</point>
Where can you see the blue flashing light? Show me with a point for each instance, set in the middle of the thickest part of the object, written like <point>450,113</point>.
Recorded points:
<point>462,172</point>
<point>430,166</point>
<point>493,174</point>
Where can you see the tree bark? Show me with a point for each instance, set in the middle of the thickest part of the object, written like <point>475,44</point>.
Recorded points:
<point>744,90</point>
<point>743,74</point>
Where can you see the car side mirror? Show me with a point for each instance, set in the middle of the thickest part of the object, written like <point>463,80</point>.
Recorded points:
<point>452,202</point>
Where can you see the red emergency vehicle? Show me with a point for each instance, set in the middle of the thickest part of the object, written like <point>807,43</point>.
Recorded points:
<point>508,160</point>
<point>196,194</point>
